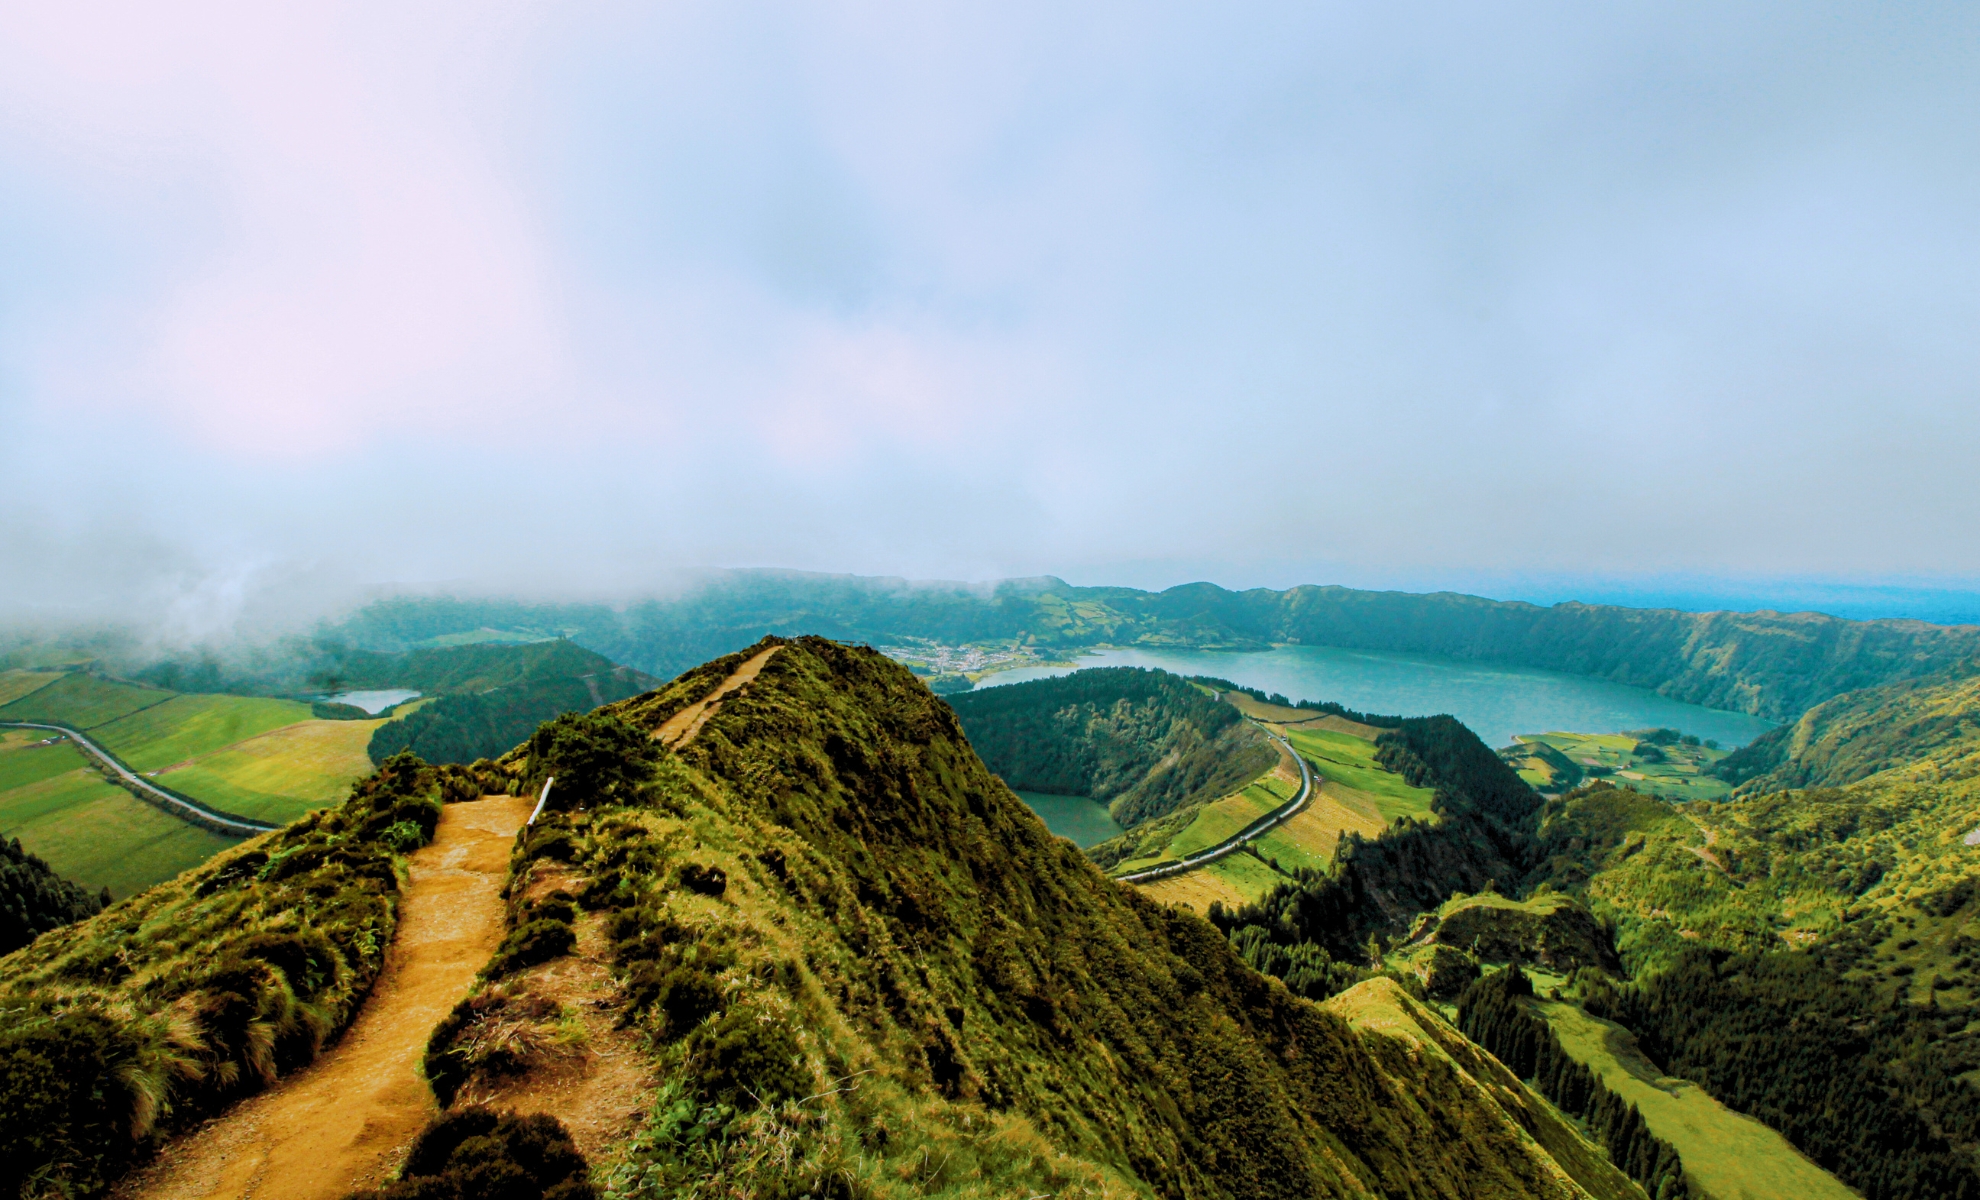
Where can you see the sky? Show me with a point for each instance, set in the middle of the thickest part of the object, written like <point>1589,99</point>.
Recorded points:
<point>310,301</point>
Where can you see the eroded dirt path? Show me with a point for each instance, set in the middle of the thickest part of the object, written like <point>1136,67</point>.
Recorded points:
<point>601,1085</point>
<point>344,1122</point>
<point>679,729</point>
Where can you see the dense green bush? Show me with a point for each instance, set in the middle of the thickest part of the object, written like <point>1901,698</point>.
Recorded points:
<point>747,1058</point>
<point>479,1154</point>
<point>64,1106</point>
<point>596,759</point>
<point>457,1051</point>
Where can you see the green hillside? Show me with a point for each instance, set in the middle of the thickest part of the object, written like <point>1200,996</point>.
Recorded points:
<point>1145,743</point>
<point>907,916</point>
<point>1858,734</point>
<point>490,696</point>
<point>1726,1154</point>
<point>1806,954</point>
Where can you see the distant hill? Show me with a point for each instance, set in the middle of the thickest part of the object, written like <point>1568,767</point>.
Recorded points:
<point>1145,743</point>
<point>491,696</point>
<point>1860,733</point>
<point>1771,664</point>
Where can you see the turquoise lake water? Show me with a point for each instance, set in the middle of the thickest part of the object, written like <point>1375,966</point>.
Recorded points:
<point>1086,822</point>
<point>1497,702</point>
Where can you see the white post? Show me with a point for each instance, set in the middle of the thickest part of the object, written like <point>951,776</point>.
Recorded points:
<point>541,801</point>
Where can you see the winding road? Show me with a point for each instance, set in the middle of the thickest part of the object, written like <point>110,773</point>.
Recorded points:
<point>179,806</point>
<point>1236,841</point>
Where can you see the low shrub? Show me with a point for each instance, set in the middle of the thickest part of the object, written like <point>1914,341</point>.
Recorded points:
<point>529,944</point>
<point>480,1154</point>
<point>596,758</point>
<point>64,1106</point>
<point>749,1057</point>
<point>486,1034</point>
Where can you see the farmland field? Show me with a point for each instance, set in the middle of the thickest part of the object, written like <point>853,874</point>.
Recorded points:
<point>282,774</point>
<point>91,831</point>
<point>1232,881</point>
<point>185,727</point>
<point>1676,771</point>
<point>1353,794</point>
<point>1731,1156</point>
<point>15,684</point>
<point>83,701</point>
<point>1349,761</point>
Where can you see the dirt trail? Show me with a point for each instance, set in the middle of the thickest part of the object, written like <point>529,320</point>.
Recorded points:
<point>601,1087</point>
<point>344,1122</point>
<point>679,729</point>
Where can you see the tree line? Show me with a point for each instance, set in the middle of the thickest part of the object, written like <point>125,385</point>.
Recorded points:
<point>1492,1012</point>
<point>1870,1090</point>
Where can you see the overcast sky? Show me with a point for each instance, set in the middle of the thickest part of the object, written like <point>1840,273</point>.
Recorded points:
<point>566,297</point>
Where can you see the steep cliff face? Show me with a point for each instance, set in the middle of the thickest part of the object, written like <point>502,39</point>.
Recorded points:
<point>866,961</point>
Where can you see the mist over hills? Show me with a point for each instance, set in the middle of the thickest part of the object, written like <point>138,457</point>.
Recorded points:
<point>1773,665</point>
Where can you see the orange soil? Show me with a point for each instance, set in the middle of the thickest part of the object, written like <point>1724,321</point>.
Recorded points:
<point>346,1121</point>
<point>600,1089</point>
<point>679,729</point>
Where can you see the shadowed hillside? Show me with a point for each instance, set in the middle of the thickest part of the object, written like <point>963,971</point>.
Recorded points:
<point>1145,743</point>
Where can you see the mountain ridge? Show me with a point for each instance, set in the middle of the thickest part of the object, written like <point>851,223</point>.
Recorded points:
<point>1766,663</point>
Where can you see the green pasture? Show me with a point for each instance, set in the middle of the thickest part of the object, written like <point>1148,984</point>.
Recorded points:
<point>83,701</point>
<point>280,775</point>
<point>99,835</point>
<point>1350,762</point>
<point>1285,849</point>
<point>23,762</point>
<point>1727,1154</point>
<point>15,684</point>
<point>1686,773</point>
<point>1224,819</point>
<point>185,727</point>
<point>1085,821</point>
<point>1246,873</point>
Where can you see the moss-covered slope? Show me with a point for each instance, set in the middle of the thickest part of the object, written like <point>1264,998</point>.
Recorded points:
<point>869,970</point>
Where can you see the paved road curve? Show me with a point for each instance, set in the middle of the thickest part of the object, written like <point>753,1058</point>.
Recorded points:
<point>177,805</point>
<point>1235,842</point>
